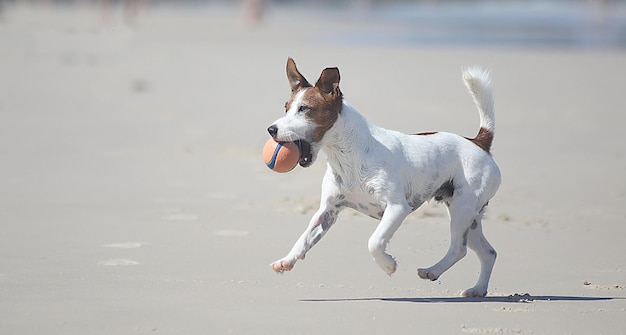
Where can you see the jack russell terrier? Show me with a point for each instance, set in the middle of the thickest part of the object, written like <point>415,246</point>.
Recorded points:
<point>387,175</point>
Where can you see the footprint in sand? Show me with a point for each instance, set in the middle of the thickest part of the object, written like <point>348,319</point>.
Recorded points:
<point>490,330</point>
<point>602,287</point>
<point>125,245</point>
<point>119,262</point>
<point>122,261</point>
<point>182,217</point>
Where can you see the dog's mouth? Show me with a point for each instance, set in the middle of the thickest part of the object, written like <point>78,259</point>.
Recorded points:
<point>306,155</point>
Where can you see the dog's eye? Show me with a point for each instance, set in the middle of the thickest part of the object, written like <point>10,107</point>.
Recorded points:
<point>303,108</point>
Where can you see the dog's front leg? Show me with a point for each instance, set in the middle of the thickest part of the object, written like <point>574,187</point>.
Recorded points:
<point>321,222</point>
<point>391,221</point>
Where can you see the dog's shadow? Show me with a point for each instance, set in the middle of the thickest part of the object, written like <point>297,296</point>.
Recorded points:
<point>514,298</point>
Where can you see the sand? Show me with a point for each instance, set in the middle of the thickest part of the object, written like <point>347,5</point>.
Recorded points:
<point>133,196</point>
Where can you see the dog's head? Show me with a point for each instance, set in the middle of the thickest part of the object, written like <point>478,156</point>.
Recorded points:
<point>310,111</point>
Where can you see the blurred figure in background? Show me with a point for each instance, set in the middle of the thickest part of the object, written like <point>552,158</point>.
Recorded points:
<point>131,10</point>
<point>253,11</point>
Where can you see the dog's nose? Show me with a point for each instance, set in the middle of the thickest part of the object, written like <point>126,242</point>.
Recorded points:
<point>273,130</point>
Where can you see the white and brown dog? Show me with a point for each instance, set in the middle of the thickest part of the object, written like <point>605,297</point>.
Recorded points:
<point>387,174</point>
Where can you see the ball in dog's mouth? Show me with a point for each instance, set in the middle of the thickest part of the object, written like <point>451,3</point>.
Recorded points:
<point>306,156</point>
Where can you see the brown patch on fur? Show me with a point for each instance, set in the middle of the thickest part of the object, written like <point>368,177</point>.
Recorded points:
<point>483,139</point>
<point>321,103</point>
<point>296,79</point>
<point>323,110</point>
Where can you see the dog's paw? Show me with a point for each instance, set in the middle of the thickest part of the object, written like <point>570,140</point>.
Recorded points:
<point>282,265</point>
<point>387,264</point>
<point>427,274</point>
<point>390,268</point>
<point>474,292</point>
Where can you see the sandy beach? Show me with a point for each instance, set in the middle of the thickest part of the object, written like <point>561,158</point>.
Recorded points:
<point>134,199</point>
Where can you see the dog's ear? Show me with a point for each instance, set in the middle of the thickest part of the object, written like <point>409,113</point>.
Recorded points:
<point>328,83</point>
<point>296,80</point>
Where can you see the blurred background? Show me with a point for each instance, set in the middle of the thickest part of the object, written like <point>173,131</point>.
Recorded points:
<point>571,23</point>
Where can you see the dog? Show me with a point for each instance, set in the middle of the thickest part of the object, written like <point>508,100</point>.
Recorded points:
<point>387,174</point>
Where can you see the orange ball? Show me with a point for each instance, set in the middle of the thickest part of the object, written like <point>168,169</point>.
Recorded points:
<point>281,156</point>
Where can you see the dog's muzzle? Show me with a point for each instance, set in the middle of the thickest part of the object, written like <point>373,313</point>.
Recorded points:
<point>306,155</point>
<point>273,130</point>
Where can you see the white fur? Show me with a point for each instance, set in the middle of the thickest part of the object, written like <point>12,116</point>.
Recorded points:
<point>293,126</point>
<point>378,171</point>
<point>478,82</point>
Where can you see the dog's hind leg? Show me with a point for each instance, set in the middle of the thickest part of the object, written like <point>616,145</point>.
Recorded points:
<point>486,254</point>
<point>462,214</point>
<point>390,222</point>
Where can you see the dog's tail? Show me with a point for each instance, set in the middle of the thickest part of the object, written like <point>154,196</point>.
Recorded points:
<point>478,81</point>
